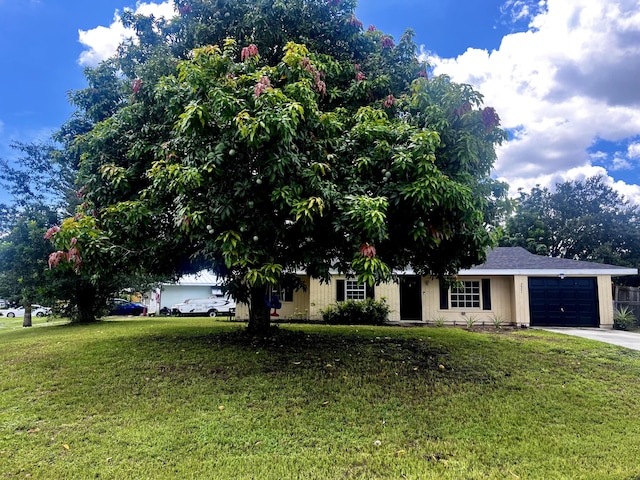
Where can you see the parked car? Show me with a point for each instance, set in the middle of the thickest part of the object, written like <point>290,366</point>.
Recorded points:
<point>36,310</point>
<point>119,306</point>
<point>212,306</point>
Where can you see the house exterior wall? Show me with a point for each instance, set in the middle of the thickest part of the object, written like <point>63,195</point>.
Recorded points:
<point>321,295</point>
<point>605,301</point>
<point>521,315</point>
<point>298,309</point>
<point>509,300</point>
<point>502,292</point>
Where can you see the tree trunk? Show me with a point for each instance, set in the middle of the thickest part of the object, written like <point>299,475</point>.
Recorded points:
<point>26,321</point>
<point>259,319</point>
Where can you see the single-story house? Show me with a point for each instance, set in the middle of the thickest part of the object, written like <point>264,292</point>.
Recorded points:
<point>513,285</point>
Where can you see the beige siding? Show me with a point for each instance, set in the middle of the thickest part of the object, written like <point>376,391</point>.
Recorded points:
<point>520,300</point>
<point>324,294</point>
<point>501,296</point>
<point>320,295</point>
<point>391,293</point>
<point>605,301</point>
<point>509,301</point>
<point>298,309</point>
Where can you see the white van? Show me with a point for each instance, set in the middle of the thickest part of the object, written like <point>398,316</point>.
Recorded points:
<point>212,307</point>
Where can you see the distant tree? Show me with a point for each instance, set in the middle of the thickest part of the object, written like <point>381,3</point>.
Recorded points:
<point>289,139</point>
<point>585,220</point>
<point>24,277</point>
<point>41,184</point>
<point>39,178</point>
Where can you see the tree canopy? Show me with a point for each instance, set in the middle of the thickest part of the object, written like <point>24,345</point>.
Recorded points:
<point>266,138</point>
<point>582,219</point>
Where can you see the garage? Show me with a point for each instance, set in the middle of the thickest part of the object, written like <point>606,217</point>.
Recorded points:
<point>563,302</point>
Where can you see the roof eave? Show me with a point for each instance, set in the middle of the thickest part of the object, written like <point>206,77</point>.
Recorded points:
<point>546,272</point>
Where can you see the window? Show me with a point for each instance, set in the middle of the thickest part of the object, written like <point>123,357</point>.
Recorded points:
<point>466,295</point>
<point>355,290</point>
<point>284,294</point>
<point>352,290</point>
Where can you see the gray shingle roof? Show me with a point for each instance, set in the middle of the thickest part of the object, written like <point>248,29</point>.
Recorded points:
<point>518,259</point>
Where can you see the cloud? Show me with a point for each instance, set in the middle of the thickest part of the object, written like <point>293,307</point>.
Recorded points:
<point>567,80</point>
<point>633,151</point>
<point>103,42</point>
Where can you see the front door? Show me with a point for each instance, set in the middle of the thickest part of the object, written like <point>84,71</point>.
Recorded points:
<point>410,297</point>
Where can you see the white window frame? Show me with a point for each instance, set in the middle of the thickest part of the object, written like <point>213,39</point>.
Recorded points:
<point>466,295</point>
<point>354,290</point>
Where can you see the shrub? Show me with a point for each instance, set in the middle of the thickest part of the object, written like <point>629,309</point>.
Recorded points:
<point>624,319</point>
<point>471,321</point>
<point>351,312</point>
<point>497,321</point>
<point>439,322</point>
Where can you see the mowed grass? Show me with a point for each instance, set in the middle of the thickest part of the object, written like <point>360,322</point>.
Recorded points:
<point>194,398</point>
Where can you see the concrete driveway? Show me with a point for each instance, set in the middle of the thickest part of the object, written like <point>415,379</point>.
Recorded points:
<point>614,337</point>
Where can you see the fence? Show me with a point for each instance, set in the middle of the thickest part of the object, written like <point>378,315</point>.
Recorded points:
<point>628,297</point>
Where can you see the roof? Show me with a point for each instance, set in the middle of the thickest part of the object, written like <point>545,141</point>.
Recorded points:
<point>500,261</point>
<point>202,278</point>
<point>518,261</point>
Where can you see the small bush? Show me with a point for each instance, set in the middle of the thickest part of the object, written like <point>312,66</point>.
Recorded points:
<point>497,321</point>
<point>471,321</point>
<point>624,319</point>
<point>351,312</point>
<point>439,322</point>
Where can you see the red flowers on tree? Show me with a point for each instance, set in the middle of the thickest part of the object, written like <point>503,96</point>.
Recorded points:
<point>136,85</point>
<point>51,232</point>
<point>390,101</point>
<point>249,52</point>
<point>317,76</point>
<point>490,118</point>
<point>387,42</point>
<point>367,250</point>
<point>354,22</point>
<point>262,86</point>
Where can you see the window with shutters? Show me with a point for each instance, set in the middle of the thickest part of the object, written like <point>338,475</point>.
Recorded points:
<point>466,294</point>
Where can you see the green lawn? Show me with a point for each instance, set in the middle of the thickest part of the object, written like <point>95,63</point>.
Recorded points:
<point>181,398</point>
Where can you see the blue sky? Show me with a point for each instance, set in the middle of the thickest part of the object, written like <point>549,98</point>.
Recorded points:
<point>562,75</point>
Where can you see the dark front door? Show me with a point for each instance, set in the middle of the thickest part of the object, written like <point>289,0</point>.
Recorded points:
<point>410,297</point>
<point>568,302</point>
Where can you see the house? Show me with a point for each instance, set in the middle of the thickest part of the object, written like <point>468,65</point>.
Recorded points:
<point>513,285</point>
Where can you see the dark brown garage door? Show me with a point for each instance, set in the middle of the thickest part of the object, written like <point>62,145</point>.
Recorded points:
<point>568,302</point>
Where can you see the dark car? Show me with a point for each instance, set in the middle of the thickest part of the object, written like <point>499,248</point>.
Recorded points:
<point>118,306</point>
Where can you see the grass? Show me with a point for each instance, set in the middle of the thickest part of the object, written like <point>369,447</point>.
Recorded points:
<point>194,398</point>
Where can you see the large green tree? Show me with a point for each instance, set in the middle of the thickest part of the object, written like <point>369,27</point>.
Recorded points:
<point>41,184</point>
<point>266,138</point>
<point>581,219</point>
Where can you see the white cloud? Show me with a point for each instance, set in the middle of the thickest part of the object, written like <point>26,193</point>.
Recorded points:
<point>569,79</point>
<point>103,42</point>
<point>1,126</point>
<point>634,150</point>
